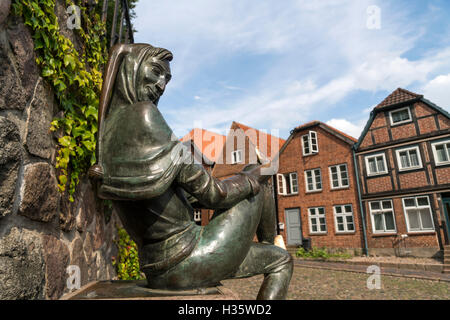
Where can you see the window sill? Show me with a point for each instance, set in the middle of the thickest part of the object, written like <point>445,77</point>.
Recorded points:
<point>310,154</point>
<point>315,191</point>
<point>289,195</point>
<point>409,169</point>
<point>340,188</point>
<point>343,233</point>
<point>400,123</point>
<point>375,175</point>
<point>442,164</point>
<point>318,234</point>
<point>386,234</point>
<point>421,233</point>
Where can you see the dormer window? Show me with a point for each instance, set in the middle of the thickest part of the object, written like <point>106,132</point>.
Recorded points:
<point>400,116</point>
<point>310,143</point>
<point>236,156</point>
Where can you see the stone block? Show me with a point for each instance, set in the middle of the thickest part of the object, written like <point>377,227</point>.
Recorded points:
<point>22,272</point>
<point>56,257</point>
<point>39,193</point>
<point>38,137</point>
<point>5,6</point>
<point>10,158</point>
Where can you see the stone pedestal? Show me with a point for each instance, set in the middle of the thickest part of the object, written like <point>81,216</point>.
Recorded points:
<point>137,290</point>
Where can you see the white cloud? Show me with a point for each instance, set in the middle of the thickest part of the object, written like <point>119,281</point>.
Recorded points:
<point>353,129</point>
<point>320,53</point>
<point>438,91</point>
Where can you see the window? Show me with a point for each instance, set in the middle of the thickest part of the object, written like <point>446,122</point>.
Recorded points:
<point>343,216</point>
<point>441,152</point>
<point>313,180</point>
<point>376,164</point>
<point>339,176</point>
<point>317,222</point>
<point>287,183</point>
<point>382,214</point>
<point>409,158</point>
<point>197,215</point>
<point>236,156</point>
<point>400,116</point>
<point>310,144</point>
<point>418,214</point>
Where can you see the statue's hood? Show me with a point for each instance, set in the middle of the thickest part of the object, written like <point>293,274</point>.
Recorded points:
<point>138,154</point>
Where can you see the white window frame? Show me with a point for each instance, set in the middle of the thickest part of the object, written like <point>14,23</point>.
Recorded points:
<point>339,173</point>
<point>314,180</point>
<point>313,147</point>
<point>282,184</point>
<point>399,162</point>
<point>197,215</point>
<point>376,155</point>
<point>420,218</point>
<point>400,122</point>
<point>344,214</point>
<point>381,211</point>
<point>433,146</point>
<point>317,216</point>
<point>236,152</point>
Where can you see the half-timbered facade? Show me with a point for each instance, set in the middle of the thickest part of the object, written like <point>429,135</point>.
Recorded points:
<point>403,158</point>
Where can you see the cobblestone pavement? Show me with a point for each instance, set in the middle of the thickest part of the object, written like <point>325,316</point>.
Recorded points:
<point>321,284</point>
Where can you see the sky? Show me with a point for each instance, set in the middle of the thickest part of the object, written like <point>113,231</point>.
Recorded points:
<point>274,65</point>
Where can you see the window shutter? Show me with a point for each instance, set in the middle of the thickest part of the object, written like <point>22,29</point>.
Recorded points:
<point>313,141</point>
<point>281,184</point>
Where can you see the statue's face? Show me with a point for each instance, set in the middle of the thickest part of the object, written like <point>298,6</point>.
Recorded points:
<point>153,76</point>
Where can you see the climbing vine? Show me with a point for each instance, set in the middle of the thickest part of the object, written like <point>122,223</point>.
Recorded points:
<point>76,79</point>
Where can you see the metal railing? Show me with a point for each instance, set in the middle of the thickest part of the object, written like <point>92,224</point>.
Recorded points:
<point>125,32</point>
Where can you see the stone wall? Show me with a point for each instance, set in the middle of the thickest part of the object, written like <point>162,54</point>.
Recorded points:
<point>41,232</point>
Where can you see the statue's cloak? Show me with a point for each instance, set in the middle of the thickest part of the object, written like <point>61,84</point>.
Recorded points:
<point>138,154</point>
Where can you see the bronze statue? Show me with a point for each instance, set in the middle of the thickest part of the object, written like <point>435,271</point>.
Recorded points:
<point>146,171</point>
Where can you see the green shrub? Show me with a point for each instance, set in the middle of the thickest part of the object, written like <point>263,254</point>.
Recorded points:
<point>127,261</point>
<point>321,253</point>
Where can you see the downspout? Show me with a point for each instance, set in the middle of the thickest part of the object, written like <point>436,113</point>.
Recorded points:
<point>363,219</point>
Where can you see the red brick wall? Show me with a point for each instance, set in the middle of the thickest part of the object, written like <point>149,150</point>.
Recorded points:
<point>379,184</point>
<point>443,175</point>
<point>413,180</point>
<point>444,122</point>
<point>422,110</point>
<point>403,131</point>
<point>379,121</point>
<point>392,240</point>
<point>381,135</point>
<point>427,125</point>
<point>332,151</point>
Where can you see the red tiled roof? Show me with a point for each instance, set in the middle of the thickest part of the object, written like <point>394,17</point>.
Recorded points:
<point>316,122</point>
<point>261,136</point>
<point>264,142</point>
<point>211,143</point>
<point>398,96</point>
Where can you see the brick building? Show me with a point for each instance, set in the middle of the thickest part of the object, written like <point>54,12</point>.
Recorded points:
<point>205,147</point>
<point>403,158</point>
<point>239,149</point>
<point>317,190</point>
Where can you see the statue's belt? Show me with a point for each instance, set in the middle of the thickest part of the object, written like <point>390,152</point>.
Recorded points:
<point>171,251</point>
